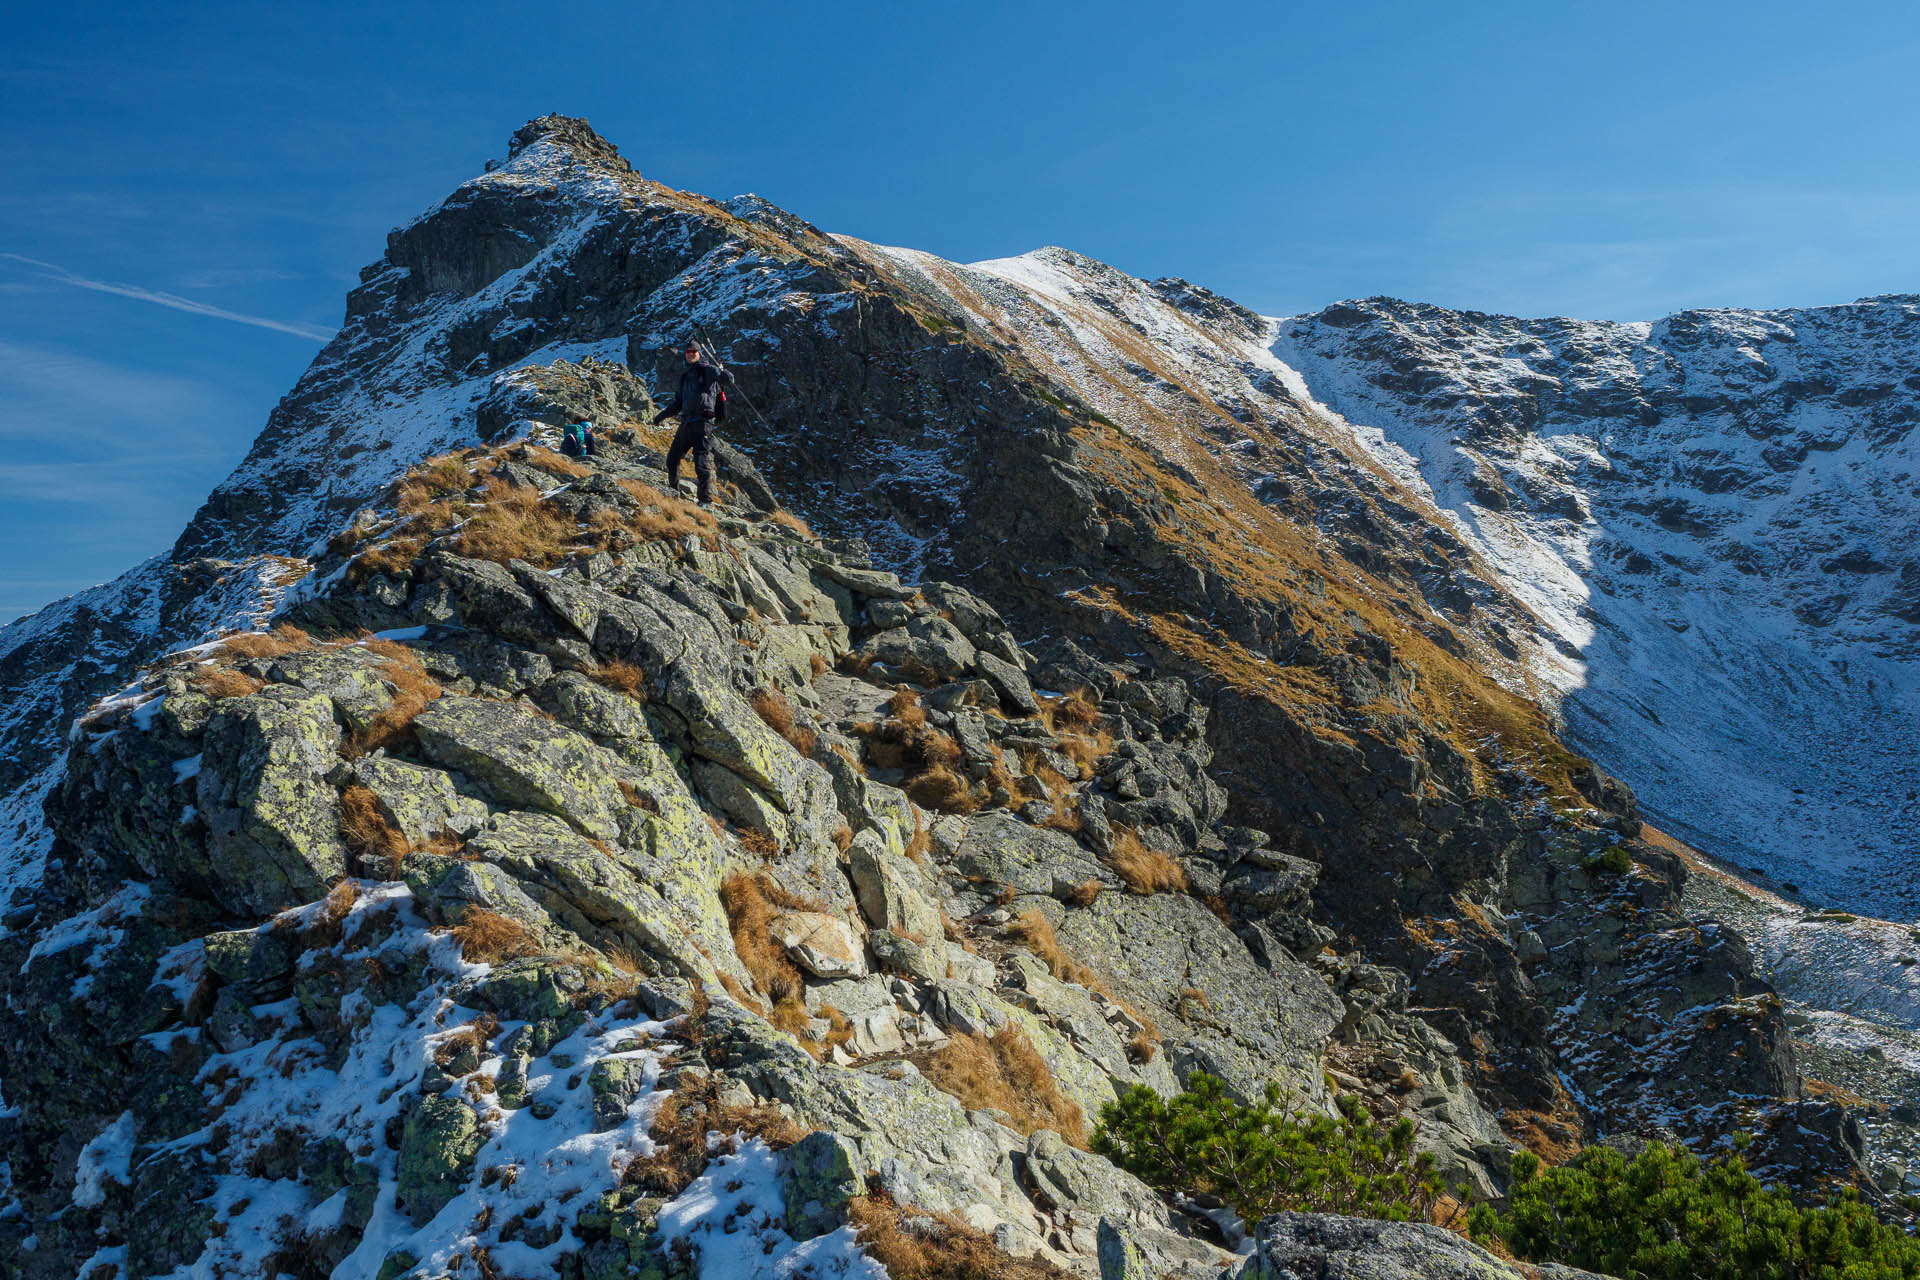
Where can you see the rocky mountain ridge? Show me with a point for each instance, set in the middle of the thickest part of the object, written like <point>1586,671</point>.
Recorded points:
<point>1712,515</point>
<point>1305,674</point>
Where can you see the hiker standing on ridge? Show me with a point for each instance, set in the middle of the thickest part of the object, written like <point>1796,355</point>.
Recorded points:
<point>700,402</point>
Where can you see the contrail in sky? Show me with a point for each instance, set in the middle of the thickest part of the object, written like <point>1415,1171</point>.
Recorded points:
<point>313,333</point>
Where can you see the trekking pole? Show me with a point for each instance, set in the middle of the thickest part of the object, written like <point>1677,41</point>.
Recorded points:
<point>708,343</point>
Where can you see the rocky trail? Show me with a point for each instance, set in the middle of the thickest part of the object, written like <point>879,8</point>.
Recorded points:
<point>456,859</point>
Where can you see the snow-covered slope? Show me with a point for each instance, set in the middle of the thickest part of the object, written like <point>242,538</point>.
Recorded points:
<point>1718,513</point>
<point>1189,375</point>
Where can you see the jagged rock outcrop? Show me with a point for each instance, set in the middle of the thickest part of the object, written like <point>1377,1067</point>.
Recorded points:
<point>575,823</point>
<point>480,856</point>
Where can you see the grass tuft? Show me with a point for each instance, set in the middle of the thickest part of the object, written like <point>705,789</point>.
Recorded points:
<point>915,1244</point>
<point>1005,1072</point>
<point>621,676</point>
<point>283,639</point>
<point>369,834</point>
<point>225,682</point>
<point>1142,869</point>
<point>751,902</point>
<point>412,688</point>
<point>773,707</point>
<point>487,937</point>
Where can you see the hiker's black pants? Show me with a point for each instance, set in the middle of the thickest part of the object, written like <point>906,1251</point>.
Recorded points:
<point>696,435</point>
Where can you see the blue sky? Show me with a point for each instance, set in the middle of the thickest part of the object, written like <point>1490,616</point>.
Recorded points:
<point>192,189</point>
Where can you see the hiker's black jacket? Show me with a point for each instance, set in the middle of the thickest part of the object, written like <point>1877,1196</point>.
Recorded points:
<point>699,393</point>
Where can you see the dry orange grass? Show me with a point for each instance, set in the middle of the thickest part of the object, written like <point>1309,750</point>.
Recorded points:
<point>624,677</point>
<point>751,902</point>
<point>1077,711</point>
<point>225,682</point>
<point>443,476</point>
<point>392,557</point>
<point>1035,932</point>
<point>338,904</point>
<point>557,464</point>
<point>758,842</point>
<point>791,1016</point>
<point>1064,819</point>
<point>928,756</point>
<point>364,826</point>
<point>413,689</point>
<point>1835,1093</point>
<point>1006,1073</point>
<point>904,706</point>
<point>1084,893</point>
<point>447,844</point>
<point>1264,555</point>
<point>514,523</point>
<point>283,639</point>
<point>920,844</point>
<point>940,787</point>
<point>1142,869</point>
<point>787,520</point>
<point>664,516</point>
<point>470,1041</point>
<point>915,1244</point>
<point>1553,1136</point>
<point>773,707</point>
<point>1001,778</point>
<point>818,665</point>
<point>487,937</point>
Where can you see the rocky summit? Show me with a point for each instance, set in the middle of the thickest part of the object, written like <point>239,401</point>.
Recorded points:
<point>458,859</point>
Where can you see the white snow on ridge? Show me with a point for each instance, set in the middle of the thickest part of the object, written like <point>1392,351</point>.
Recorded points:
<point>1706,510</point>
<point>1700,512</point>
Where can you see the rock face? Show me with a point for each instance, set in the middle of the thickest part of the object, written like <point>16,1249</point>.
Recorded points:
<point>1294,1246</point>
<point>383,946</point>
<point>1704,511</point>
<point>491,912</point>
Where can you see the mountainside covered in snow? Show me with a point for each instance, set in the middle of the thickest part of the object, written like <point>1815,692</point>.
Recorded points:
<point>1716,517</point>
<point>1317,587</point>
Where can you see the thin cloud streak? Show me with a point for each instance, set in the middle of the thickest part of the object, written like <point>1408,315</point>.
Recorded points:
<point>312,333</point>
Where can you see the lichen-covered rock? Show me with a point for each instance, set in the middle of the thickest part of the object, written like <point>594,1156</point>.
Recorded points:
<point>1000,849</point>
<point>349,676</point>
<point>890,890</point>
<point>1218,1008</point>
<point>442,1137</point>
<point>421,802</point>
<point>1291,1246</point>
<point>272,817</point>
<point>1120,1258</point>
<point>823,1174</point>
<point>523,759</point>
<point>821,944</point>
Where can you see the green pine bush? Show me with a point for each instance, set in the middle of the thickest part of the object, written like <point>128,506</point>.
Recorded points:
<point>1611,861</point>
<point>1666,1215</point>
<point>1267,1157</point>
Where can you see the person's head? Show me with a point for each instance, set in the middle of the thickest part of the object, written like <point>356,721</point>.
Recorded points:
<point>692,351</point>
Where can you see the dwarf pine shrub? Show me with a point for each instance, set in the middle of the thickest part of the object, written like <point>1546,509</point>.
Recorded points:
<point>1267,1157</point>
<point>1612,861</point>
<point>1667,1215</point>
